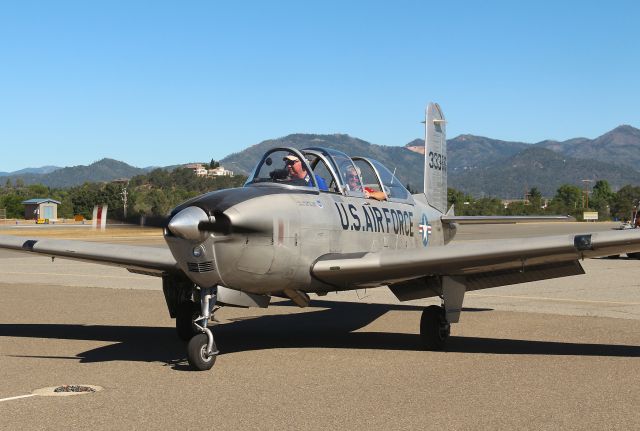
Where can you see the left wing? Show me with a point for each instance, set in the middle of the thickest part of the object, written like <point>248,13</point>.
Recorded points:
<point>147,260</point>
<point>485,263</point>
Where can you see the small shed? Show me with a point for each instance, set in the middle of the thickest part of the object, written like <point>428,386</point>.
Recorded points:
<point>41,208</point>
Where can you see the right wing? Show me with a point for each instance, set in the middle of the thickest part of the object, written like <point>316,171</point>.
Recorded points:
<point>146,260</point>
<point>449,219</point>
<point>483,263</point>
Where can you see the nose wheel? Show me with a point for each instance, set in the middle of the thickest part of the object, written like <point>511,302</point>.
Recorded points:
<point>434,328</point>
<point>198,353</point>
<point>201,349</point>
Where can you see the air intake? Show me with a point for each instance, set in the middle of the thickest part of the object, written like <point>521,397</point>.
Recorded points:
<point>201,266</point>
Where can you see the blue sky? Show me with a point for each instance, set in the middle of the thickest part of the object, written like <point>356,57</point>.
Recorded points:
<point>160,83</point>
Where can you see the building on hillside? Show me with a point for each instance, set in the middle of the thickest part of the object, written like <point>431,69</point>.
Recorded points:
<point>41,208</point>
<point>200,170</point>
<point>197,168</point>
<point>220,171</point>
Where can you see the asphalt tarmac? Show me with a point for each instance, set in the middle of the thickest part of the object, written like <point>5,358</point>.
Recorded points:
<point>559,354</point>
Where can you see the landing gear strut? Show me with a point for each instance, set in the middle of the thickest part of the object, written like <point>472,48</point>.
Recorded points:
<point>434,328</point>
<point>202,350</point>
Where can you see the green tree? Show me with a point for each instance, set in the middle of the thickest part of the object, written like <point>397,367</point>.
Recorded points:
<point>624,201</point>
<point>38,191</point>
<point>601,199</point>
<point>568,200</point>
<point>84,198</point>
<point>458,199</point>
<point>535,199</point>
<point>13,204</point>
<point>159,202</point>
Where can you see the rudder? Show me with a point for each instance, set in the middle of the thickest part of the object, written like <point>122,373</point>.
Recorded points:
<point>435,158</point>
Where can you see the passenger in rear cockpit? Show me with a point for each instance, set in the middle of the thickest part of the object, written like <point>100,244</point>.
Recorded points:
<point>354,183</point>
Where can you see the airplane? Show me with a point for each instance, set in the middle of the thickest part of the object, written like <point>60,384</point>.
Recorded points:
<point>314,221</point>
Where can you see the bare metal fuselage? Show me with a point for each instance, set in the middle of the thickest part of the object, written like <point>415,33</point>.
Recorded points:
<point>298,228</point>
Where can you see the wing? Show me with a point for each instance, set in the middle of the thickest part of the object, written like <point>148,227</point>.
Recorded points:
<point>450,219</point>
<point>145,260</point>
<point>482,263</point>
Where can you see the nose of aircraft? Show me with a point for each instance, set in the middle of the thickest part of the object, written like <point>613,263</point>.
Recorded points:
<point>185,223</point>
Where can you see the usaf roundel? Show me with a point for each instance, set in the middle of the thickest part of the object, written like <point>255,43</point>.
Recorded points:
<point>425,230</point>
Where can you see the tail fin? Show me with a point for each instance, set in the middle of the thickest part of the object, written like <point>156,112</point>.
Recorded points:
<point>435,158</point>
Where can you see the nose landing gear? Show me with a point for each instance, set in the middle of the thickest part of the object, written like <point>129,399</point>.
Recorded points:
<point>202,350</point>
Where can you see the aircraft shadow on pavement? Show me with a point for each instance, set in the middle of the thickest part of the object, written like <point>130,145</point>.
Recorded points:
<point>325,328</point>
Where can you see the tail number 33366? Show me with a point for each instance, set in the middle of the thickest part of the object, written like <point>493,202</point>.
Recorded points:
<point>437,161</point>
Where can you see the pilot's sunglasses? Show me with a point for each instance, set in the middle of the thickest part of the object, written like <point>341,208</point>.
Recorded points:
<point>291,162</point>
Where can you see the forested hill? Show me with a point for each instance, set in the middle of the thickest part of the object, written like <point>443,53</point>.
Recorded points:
<point>102,170</point>
<point>478,165</point>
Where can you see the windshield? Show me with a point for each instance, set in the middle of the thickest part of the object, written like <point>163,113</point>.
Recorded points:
<point>392,186</point>
<point>284,166</point>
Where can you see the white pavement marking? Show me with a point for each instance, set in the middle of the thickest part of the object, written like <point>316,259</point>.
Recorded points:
<point>74,275</point>
<point>18,397</point>
<point>545,298</point>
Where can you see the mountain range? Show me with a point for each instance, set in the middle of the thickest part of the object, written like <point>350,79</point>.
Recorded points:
<point>484,166</point>
<point>477,165</point>
<point>102,170</point>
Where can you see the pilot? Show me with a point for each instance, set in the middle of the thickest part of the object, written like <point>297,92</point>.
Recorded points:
<point>298,174</point>
<point>353,181</point>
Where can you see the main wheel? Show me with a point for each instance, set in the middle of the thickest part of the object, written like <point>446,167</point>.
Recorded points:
<point>635,255</point>
<point>197,353</point>
<point>186,312</point>
<point>434,328</point>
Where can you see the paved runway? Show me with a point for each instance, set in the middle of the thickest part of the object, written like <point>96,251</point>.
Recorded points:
<point>546,355</point>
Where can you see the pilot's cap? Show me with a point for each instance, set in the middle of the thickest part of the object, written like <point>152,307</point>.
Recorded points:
<point>291,157</point>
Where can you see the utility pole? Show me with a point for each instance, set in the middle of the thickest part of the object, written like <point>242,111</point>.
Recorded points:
<point>585,198</point>
<point>124,199</point>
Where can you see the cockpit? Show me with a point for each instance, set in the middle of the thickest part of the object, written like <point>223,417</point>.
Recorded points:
<point>324,170</point>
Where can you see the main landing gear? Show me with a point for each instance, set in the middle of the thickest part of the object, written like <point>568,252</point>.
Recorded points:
<point>192,325</point>
<point>434,328</point>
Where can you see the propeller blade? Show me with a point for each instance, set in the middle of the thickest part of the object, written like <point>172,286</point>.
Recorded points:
<point>223,226</point>
<point>155,221</point>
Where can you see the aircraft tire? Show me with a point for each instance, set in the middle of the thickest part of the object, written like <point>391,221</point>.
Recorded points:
<point>635,255</point>
<point>434,329</point>
<point>186,312</point>
<point>196,353</point>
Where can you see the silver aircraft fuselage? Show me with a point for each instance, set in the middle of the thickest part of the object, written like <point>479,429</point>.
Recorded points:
<point>297,227</point>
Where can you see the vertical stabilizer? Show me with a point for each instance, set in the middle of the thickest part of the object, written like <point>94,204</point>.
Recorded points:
<point>435,158</point>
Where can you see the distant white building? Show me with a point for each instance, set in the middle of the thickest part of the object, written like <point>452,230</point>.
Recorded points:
<point>201,171</point>
<point>220,171</point>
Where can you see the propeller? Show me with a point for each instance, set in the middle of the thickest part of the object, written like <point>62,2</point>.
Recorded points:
<point>222,225</point>
<point>192,223</point>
